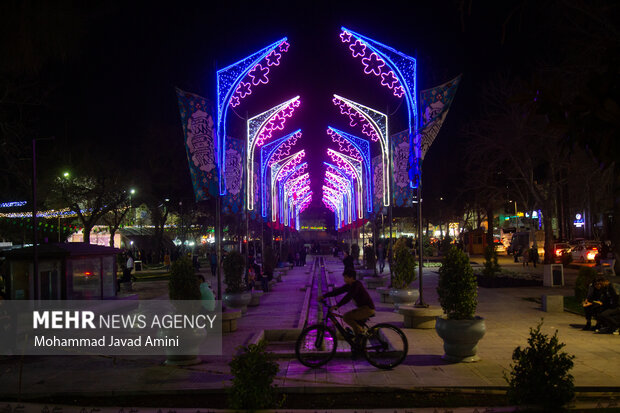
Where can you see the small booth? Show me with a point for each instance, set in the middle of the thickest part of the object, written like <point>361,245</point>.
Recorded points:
<point>69,271</point>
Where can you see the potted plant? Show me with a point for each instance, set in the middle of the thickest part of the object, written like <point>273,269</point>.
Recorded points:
<point>404,274</point>
<point>457,289</point>
<point>183,285</point>
<point>236,295</point>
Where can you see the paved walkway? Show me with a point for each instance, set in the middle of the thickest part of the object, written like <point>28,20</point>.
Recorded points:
<point>507,312</point>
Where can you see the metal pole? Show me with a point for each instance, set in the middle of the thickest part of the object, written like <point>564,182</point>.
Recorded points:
<point>262,240</point>
<point>35,256</point>
<point>420,302</point>
<point>218,244</point>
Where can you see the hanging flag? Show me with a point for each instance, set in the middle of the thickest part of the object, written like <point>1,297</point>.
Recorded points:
<point>232,202</point>
<point>377,175</point>
<point>434,104</point>
<point>403,195</point>
<point>197,122</point>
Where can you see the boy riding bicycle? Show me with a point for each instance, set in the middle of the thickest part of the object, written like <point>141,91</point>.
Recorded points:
<point>355,291</point>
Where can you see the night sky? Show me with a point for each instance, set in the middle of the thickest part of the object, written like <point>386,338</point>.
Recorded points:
<point>114,89</point>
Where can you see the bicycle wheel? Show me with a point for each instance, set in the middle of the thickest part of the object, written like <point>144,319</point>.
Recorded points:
<point>385,346</point>
<point>316,345</point>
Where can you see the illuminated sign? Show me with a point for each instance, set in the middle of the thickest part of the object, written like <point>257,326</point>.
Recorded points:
<point>313,228</point>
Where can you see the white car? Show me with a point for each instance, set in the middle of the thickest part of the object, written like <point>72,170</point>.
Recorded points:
<point>584,253</point>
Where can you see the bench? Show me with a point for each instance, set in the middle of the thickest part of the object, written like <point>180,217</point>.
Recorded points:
<point>256,295</point>
<point>422,318</point>
<point>229,320</point>
<point>608,267</point>
<point>384,293</point>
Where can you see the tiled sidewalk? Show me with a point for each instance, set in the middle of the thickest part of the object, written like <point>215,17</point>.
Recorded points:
<point>508,319</point>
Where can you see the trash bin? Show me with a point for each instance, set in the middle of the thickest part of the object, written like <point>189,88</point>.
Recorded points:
<point>137,265</point>
<point>553,275</point>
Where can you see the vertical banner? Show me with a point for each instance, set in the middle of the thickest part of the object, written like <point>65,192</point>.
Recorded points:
<point>403,194</point>
<point>232,202</point>
<point>377,184</point>
<point>434,106</point>
<point>197,122</point>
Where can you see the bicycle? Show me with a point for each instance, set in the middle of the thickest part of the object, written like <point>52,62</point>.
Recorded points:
<point>383,345</point>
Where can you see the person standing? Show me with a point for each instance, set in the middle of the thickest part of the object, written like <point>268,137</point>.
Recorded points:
<point>167,261</point>
<point>526,257</point>
<point>348,261</point>
<point>381,257</point>
<point>534,255</point>
<point>128,268</point>
<point>213,262</point>
<point>206,295</point>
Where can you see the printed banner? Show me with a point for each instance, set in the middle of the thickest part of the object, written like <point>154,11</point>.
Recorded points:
<point>377,184</point>
<point>255,214</point>
<point>435,100</point>
<point>402,193</point>
<point>233,201</point>
<point>197,122</point>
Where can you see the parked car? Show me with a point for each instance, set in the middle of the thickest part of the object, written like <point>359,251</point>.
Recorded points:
<point>499,246</point>
<point>584,253</point>
<point>560,248</point>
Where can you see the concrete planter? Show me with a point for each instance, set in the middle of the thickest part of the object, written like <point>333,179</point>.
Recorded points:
<point>190,341</point>
<point>460,338</point>
<point>404,297</point>
<point>238,301</point>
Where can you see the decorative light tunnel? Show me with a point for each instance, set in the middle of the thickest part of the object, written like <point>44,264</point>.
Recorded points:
<point>280,172</point>
<point>260,129</point>
<point>375,125</point>
<point>353,168</point>
<point>357,148</point>
<point>398,73</point>
<point>234,83</point>
<point>344,184</point>
<point>271,153</point>
<point>334,200</point>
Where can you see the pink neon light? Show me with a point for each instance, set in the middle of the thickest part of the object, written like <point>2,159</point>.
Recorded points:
<point>342,165</point>
<point>399,91</point>
<point>358,49</point>
<point>388,79</point>
<point>276,122</point>
<point>259,74</point>
<point>284,150</point>
<point>344,145</point>
<point>291,165</point>
<point>373,64</point>
<point>273,58</point>
<point>355,118</point>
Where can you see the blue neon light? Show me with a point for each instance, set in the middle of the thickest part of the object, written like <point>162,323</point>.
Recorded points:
<point>228,80</point>
<point>363,148</point>
<point>266,154</point>
<point>404,68</point>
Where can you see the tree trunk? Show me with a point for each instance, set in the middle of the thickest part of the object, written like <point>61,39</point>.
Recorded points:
<point>549,257</point>
<point>112,233</point>
<point>86,232</point>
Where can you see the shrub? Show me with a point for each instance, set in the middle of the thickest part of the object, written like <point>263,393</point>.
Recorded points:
<point>183,283</point>
<point>541,372</point>
<point>457,287</point>
<point>370,258</point>
<point>428,249</point>
<point>253,373</point>
<point>585,276</point>
<point>491,266</point>
<point>404,265</point>
<point>233,272</point>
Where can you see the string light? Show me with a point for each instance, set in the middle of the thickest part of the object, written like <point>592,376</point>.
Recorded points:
<point>260,129</point>
<point>234,83</point>
<point>13,204</point>
<point>375,125</point>
<point>269,154</point>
